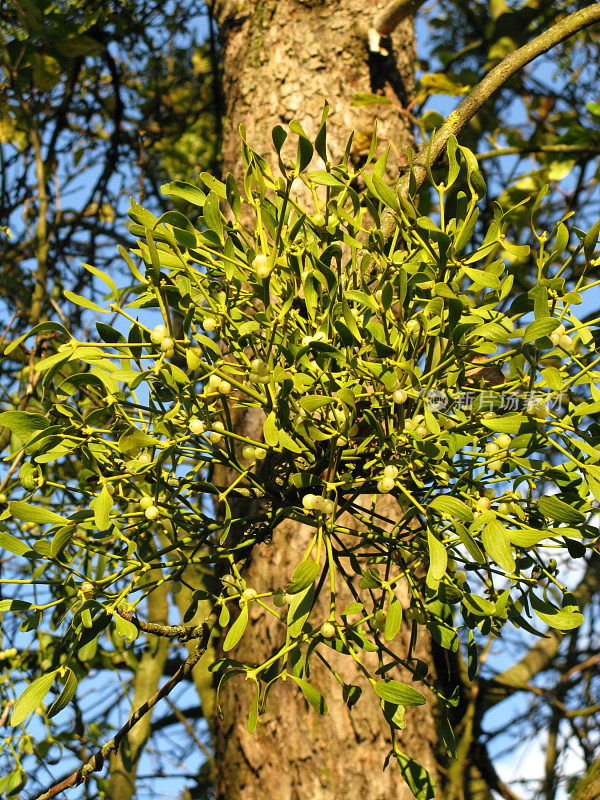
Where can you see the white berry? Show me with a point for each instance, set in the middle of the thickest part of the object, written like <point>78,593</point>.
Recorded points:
<point>158,334</point>
<point>197,426</point>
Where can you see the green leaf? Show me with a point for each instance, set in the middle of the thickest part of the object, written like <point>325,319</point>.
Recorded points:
<point>563,619</point>
<point>125,628</point>
<point>270,432</point>
<point>399,693</point>
<point>14,545</point>
<point>452,506</point>
<point>61,539</point>
<point>539,328</point>
<point>305,573</point>
<point>253,715</point>
<point>497,545</point>
<point>470,544</point>
<point>590,240</point>
<point>285,440</point>
<point>233,195</point>
<point>104,278</point>
<point>279,135</point>
<point>369,99</point>
<point>10,604</point>
<point>419,781</point>
<point>235,633</point>
<point>299,610</point>
<point>322,178</point>
<point>24,424</point>
<point>185,191</point>
<point>28,513</point>
<point>393,620</point>
<point>32,697</point>
<point>312,402</point>
<point>556,509</point>
<point>478,605</point>
<point>102,506</point>
<point>441,83</point>
<point>312,694</point>
<point>553,378</point>
<point>135,439</point>
<point>305,152</point>
<point>507,423</point>
<point>79,300</point>
<point>212,214</point>
<point>51,361</point>
<point>438,558</point>
<point>66,695</point>
<point>43,327</point>
<point>482,279</point>
<point>472,656</point>
<point>443,634</point>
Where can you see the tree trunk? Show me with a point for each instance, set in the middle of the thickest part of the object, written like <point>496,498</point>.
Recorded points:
<point>588,787</point>
<point>282,59</point>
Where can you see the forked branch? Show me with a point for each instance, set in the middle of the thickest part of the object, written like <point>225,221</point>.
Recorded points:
<point>97,761</point>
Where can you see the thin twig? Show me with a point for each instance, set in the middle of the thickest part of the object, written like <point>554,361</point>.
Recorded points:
<point>550,149</point>
<point>97,761</point>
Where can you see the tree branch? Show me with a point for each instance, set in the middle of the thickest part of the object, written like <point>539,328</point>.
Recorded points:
<point>389,19</point>
<point>494,80</point>
<point>395,13</point>
<point>97,761</point>
<point>544,650</point>
<point>578,150</point>
<point>182,632</point>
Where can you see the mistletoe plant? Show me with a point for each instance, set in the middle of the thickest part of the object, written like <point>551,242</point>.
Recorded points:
<point>434,433</point>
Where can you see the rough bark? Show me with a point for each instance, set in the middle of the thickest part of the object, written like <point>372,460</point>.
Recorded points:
<point>282,59</point>
<point>588,787</point>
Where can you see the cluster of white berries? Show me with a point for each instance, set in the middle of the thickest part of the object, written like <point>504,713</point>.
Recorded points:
<point>148,507</point>
<point>216,385</point>
<point>413,327</point>
<point>250,453</point>
<point>387,483</point>
<point>559,338</point>
<point>160,336</point>
<point>312,502</point>
<point>499,445</point>
<point>509,505</point>
<point>216,434</point>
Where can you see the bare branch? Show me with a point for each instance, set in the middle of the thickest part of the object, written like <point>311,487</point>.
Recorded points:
<point>391,16</point>
<point>576,150</point>
<point>389,19</point>
<point>97,761</point>
<point>182,632</point>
